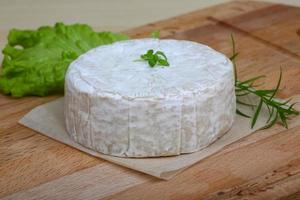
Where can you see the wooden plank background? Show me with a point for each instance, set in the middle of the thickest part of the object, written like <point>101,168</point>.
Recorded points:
<point>265,165</point>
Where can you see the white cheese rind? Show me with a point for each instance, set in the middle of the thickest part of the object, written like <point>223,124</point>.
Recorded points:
<point>122,107</point>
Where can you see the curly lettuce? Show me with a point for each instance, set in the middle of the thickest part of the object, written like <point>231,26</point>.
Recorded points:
<point>35,62</point>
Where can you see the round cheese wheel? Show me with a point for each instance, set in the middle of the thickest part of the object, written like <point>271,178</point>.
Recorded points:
<point>118,105</point>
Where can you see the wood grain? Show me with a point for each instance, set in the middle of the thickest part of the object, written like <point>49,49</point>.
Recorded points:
<point>280,30</point>
<point>196,19</point>
<point>92,183</point>
<point>265,165</point>
<point>225,170</point>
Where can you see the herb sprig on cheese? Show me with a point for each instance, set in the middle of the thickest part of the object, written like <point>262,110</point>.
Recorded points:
<point>157,58</point>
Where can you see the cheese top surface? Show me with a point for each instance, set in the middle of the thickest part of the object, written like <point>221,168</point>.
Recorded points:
<point>114,69</point>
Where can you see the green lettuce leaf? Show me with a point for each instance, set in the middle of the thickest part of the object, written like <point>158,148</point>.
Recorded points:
<point>35,62</point>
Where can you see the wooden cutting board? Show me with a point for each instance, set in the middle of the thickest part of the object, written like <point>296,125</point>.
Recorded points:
<point>265,165</point>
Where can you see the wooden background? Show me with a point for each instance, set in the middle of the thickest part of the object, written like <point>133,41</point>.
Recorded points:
<point>265,165</point>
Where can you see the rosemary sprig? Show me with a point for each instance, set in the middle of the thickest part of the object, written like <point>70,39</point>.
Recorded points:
<point>157,58</point>
<point>279,111</point>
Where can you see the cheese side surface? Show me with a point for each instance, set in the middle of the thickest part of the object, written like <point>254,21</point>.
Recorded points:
<point>118,105</point>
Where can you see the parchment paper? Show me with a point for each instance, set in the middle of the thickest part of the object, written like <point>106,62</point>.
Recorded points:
<point>48,119</point>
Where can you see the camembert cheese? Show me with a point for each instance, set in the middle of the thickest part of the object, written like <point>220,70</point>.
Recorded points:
<point>118,105</point>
